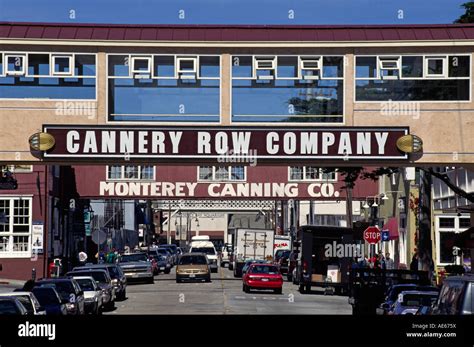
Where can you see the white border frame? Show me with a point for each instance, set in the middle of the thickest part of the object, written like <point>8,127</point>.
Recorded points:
<point>444,75</point>
<point>95,55</point>
<point>154,122</point>
<point>438,230</point>
<point>131,69</point>
<point>355,79</point>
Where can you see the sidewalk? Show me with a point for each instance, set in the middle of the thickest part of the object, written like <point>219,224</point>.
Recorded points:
<point>5,281</point>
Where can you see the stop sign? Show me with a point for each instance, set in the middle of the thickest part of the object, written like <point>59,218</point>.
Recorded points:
<point>372,235</point>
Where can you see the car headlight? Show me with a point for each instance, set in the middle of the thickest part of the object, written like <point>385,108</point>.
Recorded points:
<point>70,305</point>
<point>115,282</point>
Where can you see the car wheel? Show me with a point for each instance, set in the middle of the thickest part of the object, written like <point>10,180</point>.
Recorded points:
<point>208,278</point>
<point>178,280</point>
<point>278,290</point>
<point>247,289</point>
<point>289,278</point>
<point>123,295</point>
<point>151,280</point>
<point>231,266</point>
<point>167,271</point>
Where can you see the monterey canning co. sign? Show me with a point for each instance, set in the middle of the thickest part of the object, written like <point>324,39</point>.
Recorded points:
<point>194,143</point>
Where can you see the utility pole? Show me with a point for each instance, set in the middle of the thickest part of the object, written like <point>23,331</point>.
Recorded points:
<point>424,237</point>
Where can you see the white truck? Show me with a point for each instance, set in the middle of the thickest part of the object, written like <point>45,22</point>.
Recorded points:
<point>251,244</point>
<point>282,242</point>
<point>203,244</point>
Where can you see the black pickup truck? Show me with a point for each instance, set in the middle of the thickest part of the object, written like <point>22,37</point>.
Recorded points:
<point>368,287</point>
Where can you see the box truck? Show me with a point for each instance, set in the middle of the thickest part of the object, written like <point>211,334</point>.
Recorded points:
<point>251,244</point>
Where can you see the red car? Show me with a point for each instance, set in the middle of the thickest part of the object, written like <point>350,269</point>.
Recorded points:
<point>263,276</point>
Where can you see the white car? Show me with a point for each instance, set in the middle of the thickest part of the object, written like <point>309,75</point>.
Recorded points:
<point>28,300</point>
<point>93,301</point>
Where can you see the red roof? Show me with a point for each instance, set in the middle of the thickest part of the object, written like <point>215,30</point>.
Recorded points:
<point>162,32</point>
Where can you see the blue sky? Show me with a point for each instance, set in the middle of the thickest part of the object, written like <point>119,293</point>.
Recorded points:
<point>233,11</point>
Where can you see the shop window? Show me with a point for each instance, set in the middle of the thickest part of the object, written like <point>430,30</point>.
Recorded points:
<point>62,65</point>
<point>445,251</point>
<point>15,228</point>
<point>464,223</point>
<point>310,173</point>
<point>15,64</point>
<point>412,66</point>
<point>130,172</point>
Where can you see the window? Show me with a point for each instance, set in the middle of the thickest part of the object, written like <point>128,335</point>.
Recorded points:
<point>447,226</point>
<point>446,252</point>
<point>20,168</point>
<point>15,64</point>
<point>412,78</point>
<point>163,88</point>
<point>141,67</point>
<point>15,227</point>
<point>37,75</point>
<point>389,67</point>
<point>187,68</point>
<point>310,173</point>
<point>464,223</point>
<point>435,66</point>
<point>446,222</point>
<point>62,65</point>
<point>130,172</point>
<point>221,173</point>
<point>287,88</point>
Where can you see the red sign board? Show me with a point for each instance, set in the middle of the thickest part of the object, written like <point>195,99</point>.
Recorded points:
<point>372,235</point>
<point>199,143</point>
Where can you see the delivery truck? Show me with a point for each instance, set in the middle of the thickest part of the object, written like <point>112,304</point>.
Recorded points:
<point>251,244</point>
<point>319,264</point>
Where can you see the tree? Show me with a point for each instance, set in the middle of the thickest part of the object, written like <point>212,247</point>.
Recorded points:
<point>468,16</point>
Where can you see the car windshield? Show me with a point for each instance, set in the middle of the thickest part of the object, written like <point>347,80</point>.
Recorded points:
<point>418,300</point>
<point>163,251</point>
<point>397,290</point>
<point>171,248</point>
<point>128,258</point>
<point>264,269</point>
<point>86,284</point>
<point>193,260</point>
<point>7,307</point>
<point>114,272</point>
<point>205,250</point>
<point>46,296</point>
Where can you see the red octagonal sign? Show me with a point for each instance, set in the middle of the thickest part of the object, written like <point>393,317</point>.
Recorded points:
<point>372,235</point>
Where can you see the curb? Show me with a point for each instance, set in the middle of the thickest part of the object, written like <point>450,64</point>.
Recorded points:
<point>4,281</point>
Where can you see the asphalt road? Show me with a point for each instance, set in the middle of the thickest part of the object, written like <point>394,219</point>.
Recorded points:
<point>223,295</point>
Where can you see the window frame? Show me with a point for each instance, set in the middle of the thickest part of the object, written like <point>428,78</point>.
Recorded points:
<point>122,174</point>
<point>11,234</point>
<point>319,179</point>
<point>214,169</point>
<point>143,74</point>
<point>23,72</point>
<point>445,72</point>
<point>52,59</point>
<point>396,59</point>
<point>438,230</point>
<point>377,77</point>
<point>50,53</point>
<point>183,74</point>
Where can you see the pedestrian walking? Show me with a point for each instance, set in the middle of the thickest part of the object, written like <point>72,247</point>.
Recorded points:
<point>389,263</point>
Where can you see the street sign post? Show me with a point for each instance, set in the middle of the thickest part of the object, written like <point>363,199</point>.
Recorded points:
<point>385,235</point>
<point>372,235</point>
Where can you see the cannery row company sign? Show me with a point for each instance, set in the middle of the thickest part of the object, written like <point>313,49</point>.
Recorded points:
<point>195,143</point>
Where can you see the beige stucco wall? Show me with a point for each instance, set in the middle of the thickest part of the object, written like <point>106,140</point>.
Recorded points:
<point>446,128</point>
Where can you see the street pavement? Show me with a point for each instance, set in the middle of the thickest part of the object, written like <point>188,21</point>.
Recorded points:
<point>223,295</point>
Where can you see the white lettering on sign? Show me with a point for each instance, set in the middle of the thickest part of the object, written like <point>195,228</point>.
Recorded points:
<point>214,144</point>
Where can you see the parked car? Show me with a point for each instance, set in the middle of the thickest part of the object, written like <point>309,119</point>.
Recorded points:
<point>29,301</point>
<point>103,281</point>
<point>167,254</point>
<point>92,294</point>
<point>203,244</point>
<point>69,290</point>
<point>119,281</point>
<point>136,266</point>
<point>456,296</point>
<point>173,250</point>
<point>162,262</point>
<point>50,299</point>
<point>410,301</point>
<point>395,290</point>
<point>12,306</point>
<point>193,266</point>
<point>262,276</point>
<point>225,255</point>
<point>292,267</point>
